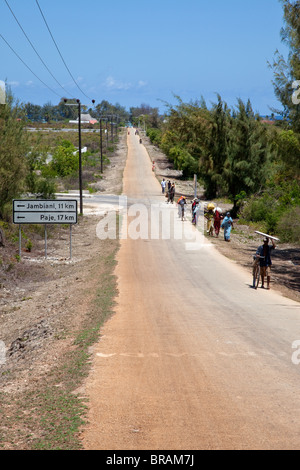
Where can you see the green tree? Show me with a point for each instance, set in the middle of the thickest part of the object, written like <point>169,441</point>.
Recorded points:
<point>107,109</point>
<point>289,151</point>
<point>185,136</point>
<point>213,160</point>
<point>145,114</point>
<point>287,71</point>
<point>48,112</point>
<point>33,112</point>
<point>13,148</point>
<point>62,111</point>
<point>249,153</point>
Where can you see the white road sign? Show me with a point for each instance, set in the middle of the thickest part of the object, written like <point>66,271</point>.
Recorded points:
<point>58,211</point>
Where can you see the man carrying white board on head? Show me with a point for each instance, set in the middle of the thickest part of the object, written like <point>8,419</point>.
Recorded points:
<point>264,251</point>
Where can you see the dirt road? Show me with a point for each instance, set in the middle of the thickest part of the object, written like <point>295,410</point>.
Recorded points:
<point>193,357</point>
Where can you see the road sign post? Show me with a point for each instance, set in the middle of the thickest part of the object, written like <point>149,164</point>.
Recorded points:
<point>45,212</point>
<point>195,185</point>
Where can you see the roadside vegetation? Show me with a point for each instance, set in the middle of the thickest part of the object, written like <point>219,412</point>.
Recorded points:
<point>42,161</point>
<point>236,154</point>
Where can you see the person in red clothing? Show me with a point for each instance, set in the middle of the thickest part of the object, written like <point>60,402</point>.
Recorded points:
<point>217,220</point>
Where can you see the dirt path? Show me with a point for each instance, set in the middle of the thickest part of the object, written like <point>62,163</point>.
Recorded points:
<point>163,356</point>
<point>44,305</point>
<point>244,241</point>
<point>193,358</point>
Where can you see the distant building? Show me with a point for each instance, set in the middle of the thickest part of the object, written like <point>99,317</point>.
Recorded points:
<point>85,119</point>
<point>267,121</point>
<point>270,119</point>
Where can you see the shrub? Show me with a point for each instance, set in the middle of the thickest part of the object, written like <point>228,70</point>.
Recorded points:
<point>257,209</point>
<point>289,226</point>
<point>65,159</point>
<point>264,209</point>
<point>184,161</point>
<point>155,136</point>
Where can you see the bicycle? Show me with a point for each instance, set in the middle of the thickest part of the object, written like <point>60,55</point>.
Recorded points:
<point>256,270</point>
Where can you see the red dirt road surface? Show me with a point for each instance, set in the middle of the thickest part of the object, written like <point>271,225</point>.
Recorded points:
<point>193,358</point>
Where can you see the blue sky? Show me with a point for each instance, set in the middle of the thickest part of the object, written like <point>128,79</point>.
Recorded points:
<point>143,52</point>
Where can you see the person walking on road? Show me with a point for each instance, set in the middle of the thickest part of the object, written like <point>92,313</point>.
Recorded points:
<point>227,225</point>
<point>209,215</point>
<point>163,185</point>
<point>264,251</point>
<point>195,210</point>
<point>181,204</point>
<point>172,193</point>
<point>217,220</point>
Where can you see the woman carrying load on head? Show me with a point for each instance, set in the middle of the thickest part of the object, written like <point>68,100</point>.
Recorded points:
<point>217,220</point>
<point>209,215</point>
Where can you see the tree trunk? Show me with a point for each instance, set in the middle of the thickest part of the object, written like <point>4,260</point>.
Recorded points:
<point>1,237</point>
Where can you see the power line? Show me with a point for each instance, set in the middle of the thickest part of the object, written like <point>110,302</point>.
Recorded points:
<point>20,58</point>
<point>43,16</point>
<point>45,65</point>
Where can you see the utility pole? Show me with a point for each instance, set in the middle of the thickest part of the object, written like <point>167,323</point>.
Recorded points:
<point>80,159</point>
<point>101,142</point>
<point>111,126</point>
<point>106,134</point>
<point>79,154</point>
<point>101,150</point>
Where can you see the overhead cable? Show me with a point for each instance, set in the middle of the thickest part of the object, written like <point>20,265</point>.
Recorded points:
<point>20,58</point>
<point>43,16</point>
<point>45,65</point>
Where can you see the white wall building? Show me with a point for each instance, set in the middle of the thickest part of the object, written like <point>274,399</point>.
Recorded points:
<point>85,119</point>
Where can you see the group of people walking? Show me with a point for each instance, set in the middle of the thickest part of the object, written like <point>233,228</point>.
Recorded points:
<point>168,189</point>
<point>216,221</point>
<point>213,215</point>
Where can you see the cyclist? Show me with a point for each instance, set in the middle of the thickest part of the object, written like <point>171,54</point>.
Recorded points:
<point>181,203</point>
<point>264,252</point>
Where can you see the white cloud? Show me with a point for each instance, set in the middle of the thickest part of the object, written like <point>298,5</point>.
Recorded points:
<point>113,84</point>
<point>141,84</point>
<point>14,83</point>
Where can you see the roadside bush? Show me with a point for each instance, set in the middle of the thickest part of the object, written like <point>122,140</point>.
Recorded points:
<point>264,209</point>
<point>289,226</point>
<point>45,188</point>
<point>256,209</point>
<point>155,136</point>
<point>65,159</point>
<point>184,161</point>
<point>275,208</point>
